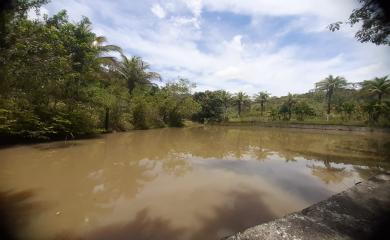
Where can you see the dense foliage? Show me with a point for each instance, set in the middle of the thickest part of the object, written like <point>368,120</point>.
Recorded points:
<point>333,100</point>
<point>59,79</point>
<point>374,19</point>
<point>214,106</point>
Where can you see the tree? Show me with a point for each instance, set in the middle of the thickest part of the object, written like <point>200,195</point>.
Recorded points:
<point>330,85</point>
<point>57,78</point>
<point>284,112</point>
<point>289,104</point>
<point>377,86</point>
<point>375,18</point>
<point>302,109</point>
<point>11,13</point>
<point>226,98</point>
<point>212,106</point>
<point>54,79</point>
<point>14,9</point>
<point>374,110</point>
<point>157,107</point>
<point>136,72</point>
<point>262,98</point>
<point>176,102</point>
<point>144,110</point>
<point>241,99</point>
<point>104,60</point>
<point>347,108</point>
<point>103,49</point>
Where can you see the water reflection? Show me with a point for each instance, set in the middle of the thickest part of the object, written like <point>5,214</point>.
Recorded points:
<point>198,183</point>
<point>143,227</point>
<point>329,174</point>
<point>244,210</point>
<point>16,211</point>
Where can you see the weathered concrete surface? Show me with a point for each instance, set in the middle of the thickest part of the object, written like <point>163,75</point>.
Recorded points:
<point>361,212</point>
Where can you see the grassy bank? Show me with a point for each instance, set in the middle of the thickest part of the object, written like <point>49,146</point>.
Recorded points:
<point>294,121</point>
<point>308,124</point>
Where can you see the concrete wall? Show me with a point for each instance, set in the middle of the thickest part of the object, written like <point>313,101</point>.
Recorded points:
<point>361,212</point>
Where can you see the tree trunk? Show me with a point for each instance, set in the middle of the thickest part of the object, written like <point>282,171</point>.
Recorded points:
<point>380,98</point>
<point>225,113</point>
<point>328,108</point>
<point>107,120</point>
<point>262,108</point>
<point>239,109</point>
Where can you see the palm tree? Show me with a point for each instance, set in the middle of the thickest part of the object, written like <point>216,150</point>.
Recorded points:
<point>262,98</point>
<point>226,99</point>
<point>104,60</point>
<point>290,104</point>
<point>377,86</point>
<point>135,72</point>
<point>102,50</point>
<point>84,33</point>
<point>241,99</point>
<point>329,85</point>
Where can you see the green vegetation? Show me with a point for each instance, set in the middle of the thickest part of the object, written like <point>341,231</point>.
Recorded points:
<point>59,79</point>
<point>373,19</point>
<point>330,85</point>
<point>241,100</point>
<point>261,98</point>
<point>333,101</point>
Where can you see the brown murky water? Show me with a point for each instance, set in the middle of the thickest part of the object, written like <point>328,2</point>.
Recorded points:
<point>195,183</point>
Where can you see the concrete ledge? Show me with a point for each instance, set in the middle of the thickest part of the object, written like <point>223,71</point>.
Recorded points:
<point>361,212</point>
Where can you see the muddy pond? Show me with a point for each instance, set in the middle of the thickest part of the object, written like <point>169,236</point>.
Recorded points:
<point>190,183</point>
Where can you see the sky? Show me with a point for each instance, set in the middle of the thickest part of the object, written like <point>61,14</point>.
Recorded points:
<point>277,46</point>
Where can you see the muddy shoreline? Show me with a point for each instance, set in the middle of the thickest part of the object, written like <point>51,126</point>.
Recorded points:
<point>329,127</point>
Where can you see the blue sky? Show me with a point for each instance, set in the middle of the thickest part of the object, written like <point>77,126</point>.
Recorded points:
<point>278,46</point>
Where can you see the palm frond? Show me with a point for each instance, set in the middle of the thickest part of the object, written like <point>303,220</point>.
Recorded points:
<point>101,39</point>
<point>110,48</point>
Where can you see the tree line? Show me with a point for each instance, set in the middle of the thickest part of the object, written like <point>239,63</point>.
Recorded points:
<point>59,79</point>
<point>332,99</point>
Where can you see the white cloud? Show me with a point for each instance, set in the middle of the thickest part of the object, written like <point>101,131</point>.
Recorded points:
<point>181,42</point>
<point>158,11</point>
<point>325,8</point>
<point>180,21</point>
<point>76,9</point>
<point>37,14</point>
<point>236,43</point>
<point>229,72</point>
<point>195,6</point>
